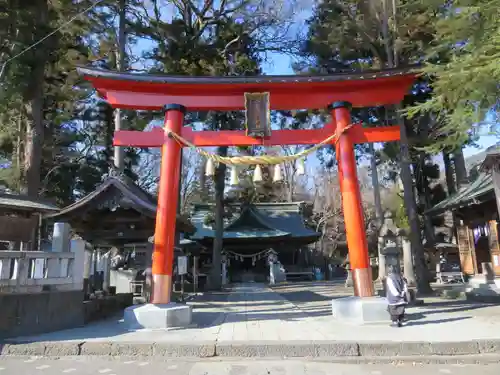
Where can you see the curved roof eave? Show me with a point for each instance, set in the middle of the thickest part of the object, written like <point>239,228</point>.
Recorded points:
<point>263,79</point>
<point>102,189</point>
<point>24,203</point>
<point>471,193</point>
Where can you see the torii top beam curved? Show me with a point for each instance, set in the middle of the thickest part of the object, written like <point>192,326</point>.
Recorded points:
<point>152,92</point>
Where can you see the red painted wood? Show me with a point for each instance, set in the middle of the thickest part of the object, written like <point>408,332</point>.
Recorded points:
<point>368,96</point>
<point>358,134</point>
<point>351,197</point>
<point>156,137</point>
<point>236,87</point>
<point>166,213</point>
<point>362,91</point>
<point>284,95</point>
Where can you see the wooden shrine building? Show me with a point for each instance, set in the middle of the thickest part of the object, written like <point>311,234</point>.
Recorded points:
<point>116,213</point>
<point>20,220</point>
<point>475,206</point>
<point>252,231</point>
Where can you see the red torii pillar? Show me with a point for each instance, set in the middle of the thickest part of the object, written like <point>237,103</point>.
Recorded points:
<point>226,94</point>
<point>352,204</point>
<point>168,200</point>
<point>166,214</point>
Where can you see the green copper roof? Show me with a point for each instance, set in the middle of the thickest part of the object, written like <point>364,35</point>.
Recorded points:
<point>266,221</point>
<point>472,193</point>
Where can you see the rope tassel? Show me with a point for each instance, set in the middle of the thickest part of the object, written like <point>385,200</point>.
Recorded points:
<point>301,167</point>
<point>261,159</point>
<point>257,174</point>
<point>277,177</point>
<point>209,168</point>
<point>234,177</point>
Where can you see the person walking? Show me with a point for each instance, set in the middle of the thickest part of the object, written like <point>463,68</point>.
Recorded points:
<point>397,295</point>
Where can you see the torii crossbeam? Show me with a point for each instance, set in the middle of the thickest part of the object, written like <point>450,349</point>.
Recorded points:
<point>177,94</point>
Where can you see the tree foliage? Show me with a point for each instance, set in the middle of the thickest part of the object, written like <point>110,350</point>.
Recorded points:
<point>463,65</point>
<point>55,134</point>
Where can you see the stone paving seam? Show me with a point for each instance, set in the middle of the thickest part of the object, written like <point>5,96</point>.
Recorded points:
<point>481,359</point>
<point>382,351</point>
<point>219,322</point>
<point>218,347</point>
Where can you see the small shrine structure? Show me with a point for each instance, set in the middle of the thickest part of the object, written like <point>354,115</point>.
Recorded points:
<point>116,213</point>
<point>254,230</point>
<point>477,210</point>
<point>20,219</point>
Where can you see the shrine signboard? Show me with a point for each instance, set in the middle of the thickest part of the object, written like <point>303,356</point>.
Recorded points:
<point>182,265</point>
<point>257,115</point>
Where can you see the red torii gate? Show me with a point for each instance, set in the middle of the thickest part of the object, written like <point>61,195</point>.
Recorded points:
<point>177,94</point>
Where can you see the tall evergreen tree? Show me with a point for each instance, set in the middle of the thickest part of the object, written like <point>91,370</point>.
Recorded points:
<point>353,35</point>
<point>464,81</point>
<point>35,61</point>
<point>71,132</point>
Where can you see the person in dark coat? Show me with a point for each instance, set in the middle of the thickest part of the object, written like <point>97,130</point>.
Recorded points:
<point>397,296</point>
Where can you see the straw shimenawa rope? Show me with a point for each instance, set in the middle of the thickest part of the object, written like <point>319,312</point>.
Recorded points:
<point>256,160</point>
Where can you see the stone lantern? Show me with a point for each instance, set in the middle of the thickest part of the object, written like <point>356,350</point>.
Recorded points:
<point>390,244</point>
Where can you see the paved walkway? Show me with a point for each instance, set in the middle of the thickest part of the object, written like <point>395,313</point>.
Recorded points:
<point>98,366</point>
<point>439,320</point>
<point>293,320</point>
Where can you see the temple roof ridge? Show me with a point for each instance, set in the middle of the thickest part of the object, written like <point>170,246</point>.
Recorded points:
<point>200,80</point>
<point>472,193</point>
<point>115,190</point>
<point>264,220</point>
<point>254,213</point>
<point>130,190</point>
<point>280,205</point>
<point>23,202</point>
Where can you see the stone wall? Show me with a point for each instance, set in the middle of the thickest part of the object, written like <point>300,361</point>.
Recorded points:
<point>24,314</point>
<point>27,314</point>
<point>106,307</point>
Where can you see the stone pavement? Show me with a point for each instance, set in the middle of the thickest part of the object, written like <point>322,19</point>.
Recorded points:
<point>291,320</point>
<point>119,366</point>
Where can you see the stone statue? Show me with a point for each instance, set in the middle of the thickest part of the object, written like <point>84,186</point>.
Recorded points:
<point>389,241</point>
<point>348,281</point>
<point>224,262</point>
<point>272,259</point>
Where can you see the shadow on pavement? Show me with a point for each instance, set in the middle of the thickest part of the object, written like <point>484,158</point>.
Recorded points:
<point>290,302</point>
<point>448,307</point>
<point>104,329</point>
<point>305,296</point>
<point>437,321</point>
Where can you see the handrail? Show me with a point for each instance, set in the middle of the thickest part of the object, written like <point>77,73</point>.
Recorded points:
<point>36,271</point>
